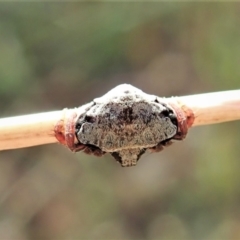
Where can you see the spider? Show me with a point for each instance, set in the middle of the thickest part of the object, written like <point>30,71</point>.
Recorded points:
<point>125,122</point>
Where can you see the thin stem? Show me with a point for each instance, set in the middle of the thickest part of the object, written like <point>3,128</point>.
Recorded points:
<point>28,130</point>
<point>210,108</point>
<point>37,129</point>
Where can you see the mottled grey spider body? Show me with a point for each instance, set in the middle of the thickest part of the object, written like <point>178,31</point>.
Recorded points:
<point>125,122</point>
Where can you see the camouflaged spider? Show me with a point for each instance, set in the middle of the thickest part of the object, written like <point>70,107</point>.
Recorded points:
<point>125,122</point>
<point>66,135</point>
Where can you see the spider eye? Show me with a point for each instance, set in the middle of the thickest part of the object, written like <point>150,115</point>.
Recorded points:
<point>90,119</point>
<point>165,113</point>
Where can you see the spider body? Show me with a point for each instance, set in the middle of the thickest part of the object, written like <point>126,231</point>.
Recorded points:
<point>125,122</point>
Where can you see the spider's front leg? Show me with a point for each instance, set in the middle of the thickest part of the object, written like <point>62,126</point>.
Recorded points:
<point>65,132</point>
<point>185,119</point>
<point>70,133</point>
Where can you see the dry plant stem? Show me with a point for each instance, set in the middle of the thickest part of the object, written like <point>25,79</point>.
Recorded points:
<point>210,108</point>
<point>28,130</point>
<point>38,129</point>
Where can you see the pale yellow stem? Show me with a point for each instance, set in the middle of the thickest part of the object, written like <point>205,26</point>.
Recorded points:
<point>28,130</point>
<point>212,108</point>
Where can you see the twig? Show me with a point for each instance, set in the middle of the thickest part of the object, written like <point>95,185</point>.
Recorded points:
<point>28,130</point>
<point>210,108</point>
<point>37,129</point>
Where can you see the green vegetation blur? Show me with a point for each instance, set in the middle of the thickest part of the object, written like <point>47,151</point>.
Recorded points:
<point>57,55</point>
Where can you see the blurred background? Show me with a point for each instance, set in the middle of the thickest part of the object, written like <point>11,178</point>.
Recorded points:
<point>57,55</point>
